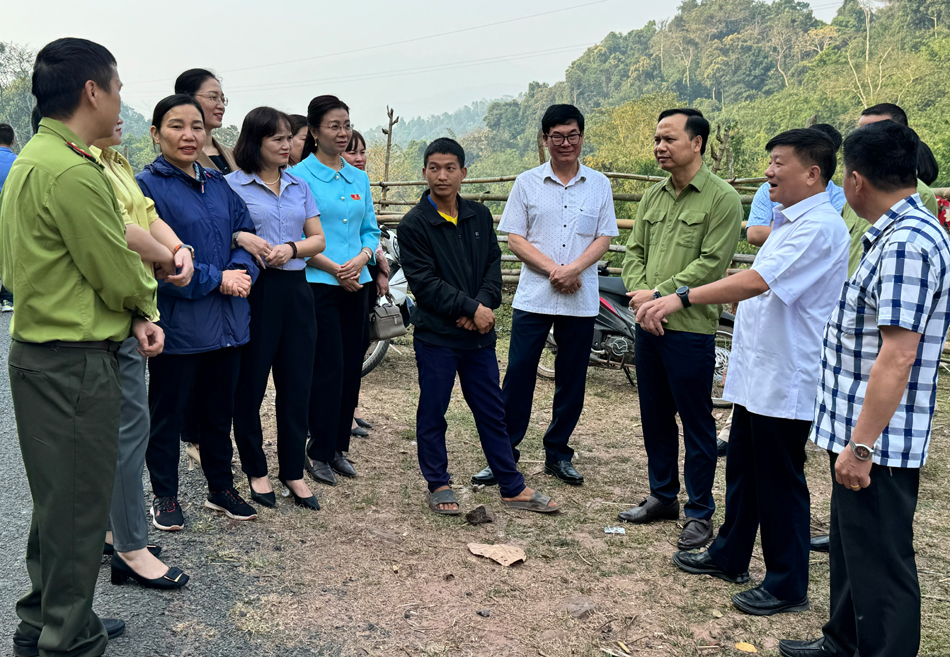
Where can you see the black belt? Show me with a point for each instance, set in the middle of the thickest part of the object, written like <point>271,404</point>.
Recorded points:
<point>104,345</point>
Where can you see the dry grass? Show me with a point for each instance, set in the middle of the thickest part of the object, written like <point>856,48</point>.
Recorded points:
<point>375,573</point>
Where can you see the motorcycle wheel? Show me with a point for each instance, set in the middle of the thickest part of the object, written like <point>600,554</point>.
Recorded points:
<point>723,350</point>
<point>546,364</point>
<point>374,355</point>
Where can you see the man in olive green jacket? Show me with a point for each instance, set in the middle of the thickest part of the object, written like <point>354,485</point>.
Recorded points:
<point>80,292</point>
<point>685,235</point>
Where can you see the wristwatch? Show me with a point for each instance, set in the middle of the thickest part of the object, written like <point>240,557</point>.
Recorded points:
<point>656,293</point>
<point>234,239</point>
<point>683,293</point>
<point>861,452</point>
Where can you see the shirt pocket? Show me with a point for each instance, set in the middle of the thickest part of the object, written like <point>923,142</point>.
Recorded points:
<point>688,228</point>
<point>586,224</point>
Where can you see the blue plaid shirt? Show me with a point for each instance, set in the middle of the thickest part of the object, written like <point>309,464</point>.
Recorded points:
<point>903,280</point>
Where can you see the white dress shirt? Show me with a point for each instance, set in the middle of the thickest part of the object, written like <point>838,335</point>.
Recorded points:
<point>560,221</point>
<point>774,366</point>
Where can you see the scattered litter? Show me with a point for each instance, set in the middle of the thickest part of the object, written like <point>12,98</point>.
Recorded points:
<point>506,555</point>
<point>614,530</point>
<point>579,608</point>
<point>716,613</point>
<point>484,613</point>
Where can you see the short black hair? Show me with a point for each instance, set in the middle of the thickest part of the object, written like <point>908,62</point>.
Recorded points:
<point>259,124</point>
<point>35,118</point>
<point>927,167</point>
<point>191,80</point>
<point>696,124</point>
<point>887,109</point>
<point>885,153</point>
<point>61,71</point>
<point>446,146</point>
<point>297,122</point>
<point>812,147</point>
<point>7,135</point>
<point>561,115</point>
<point>316,110</point>
<point>167,104</point>
<point>831,131</point>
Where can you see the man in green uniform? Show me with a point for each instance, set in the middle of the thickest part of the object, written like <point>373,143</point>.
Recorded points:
<point>685,235</point>
<point>80,292</point>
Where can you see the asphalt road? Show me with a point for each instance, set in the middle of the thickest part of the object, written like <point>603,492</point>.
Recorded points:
<point>195,621</point>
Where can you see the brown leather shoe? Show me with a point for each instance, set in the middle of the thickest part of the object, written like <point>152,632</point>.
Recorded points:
<point>696,534</point>
<point>651,509</point>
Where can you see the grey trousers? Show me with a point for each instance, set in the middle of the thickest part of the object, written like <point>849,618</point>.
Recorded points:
<point>127,518</point>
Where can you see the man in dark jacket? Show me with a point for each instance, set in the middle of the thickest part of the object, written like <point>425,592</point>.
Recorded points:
<point>453,264</point>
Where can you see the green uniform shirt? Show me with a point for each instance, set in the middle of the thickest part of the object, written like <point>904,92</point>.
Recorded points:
<point>63,252</point>
<point>688,239</point>
<point>857,226</point>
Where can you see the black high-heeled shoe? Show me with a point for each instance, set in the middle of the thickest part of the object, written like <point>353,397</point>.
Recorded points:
<point>265,499</point>
<point>121,571</point>
<point>108,549</point>
<point>305,502</point>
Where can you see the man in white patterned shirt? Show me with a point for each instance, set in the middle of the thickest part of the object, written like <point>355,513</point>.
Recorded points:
<point>876,396</point>
<point>559,219</point>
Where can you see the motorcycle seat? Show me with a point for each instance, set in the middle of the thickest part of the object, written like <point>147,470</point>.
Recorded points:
<point>611,285</point>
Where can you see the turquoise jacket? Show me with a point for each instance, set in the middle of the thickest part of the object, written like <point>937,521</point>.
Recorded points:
<point>346,214</point>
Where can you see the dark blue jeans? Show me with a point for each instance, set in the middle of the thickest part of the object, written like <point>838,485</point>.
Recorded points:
<point>674,375</point>
<point>477,370</point>
<point>5,294</point>
<point>765,488</point>
<point>573,336</point>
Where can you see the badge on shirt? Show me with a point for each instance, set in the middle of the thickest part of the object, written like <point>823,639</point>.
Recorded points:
<point>355,197</point>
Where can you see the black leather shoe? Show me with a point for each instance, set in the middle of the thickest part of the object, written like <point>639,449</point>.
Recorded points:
<point>814,648</point>
<point>721,447</point>
<point>651,509</point>
<point>564,470</point>
<point>108,549</point>
<point>760,602</point>
<point>174,578</point>
<point>700,563</point>
<point>359,432</point>
<point>341,466</point>
<point>264,499</point>
<point>24,647</point>
<point>321,472</point>
<point>821,543</point>
<point>696,534</point>
<point>360,422</point>
<point>305,502</point>
<point>485,478</point>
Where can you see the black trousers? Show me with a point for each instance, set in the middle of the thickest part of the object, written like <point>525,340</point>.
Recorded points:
<point>209,379</point>
<point>674,375</point>
<point>765,488</point>
<point>283,336</point>
<point>528,334</point>
<point>342,319</point>
<point>875,596</point>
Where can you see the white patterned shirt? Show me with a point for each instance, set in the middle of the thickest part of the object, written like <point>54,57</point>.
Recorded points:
<point>560,221</point>
<point>903,280</point>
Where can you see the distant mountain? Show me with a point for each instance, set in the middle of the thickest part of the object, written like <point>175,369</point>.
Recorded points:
<point>449,124</point>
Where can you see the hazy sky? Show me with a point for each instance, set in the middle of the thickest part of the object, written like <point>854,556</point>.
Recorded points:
<point>419,57</point>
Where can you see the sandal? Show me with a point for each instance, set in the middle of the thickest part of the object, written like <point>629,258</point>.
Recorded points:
<point>538,503</point>
<point>443,497</point>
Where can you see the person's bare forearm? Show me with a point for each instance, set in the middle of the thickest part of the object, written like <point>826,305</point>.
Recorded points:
<point>739,287</point>
<point>530,255</point>
<point>886,384</point>
<point>756,235</point>
<point>323,263</point>
<point>594,252</point>
<point>148,248</point>
<point>164,234</point>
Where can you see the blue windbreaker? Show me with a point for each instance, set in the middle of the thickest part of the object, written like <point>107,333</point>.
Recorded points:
<point>203,212</point>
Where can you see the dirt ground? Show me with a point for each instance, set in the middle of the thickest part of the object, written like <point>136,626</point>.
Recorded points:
<point>375,573</point>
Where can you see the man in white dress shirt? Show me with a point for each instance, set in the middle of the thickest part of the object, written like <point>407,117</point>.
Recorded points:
<point>559,219</point>
<point>787,297</point>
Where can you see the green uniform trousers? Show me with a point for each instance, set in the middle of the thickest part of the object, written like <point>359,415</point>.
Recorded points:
<point>67,402</point>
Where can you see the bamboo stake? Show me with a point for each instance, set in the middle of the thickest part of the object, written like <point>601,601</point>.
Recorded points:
<point>389,147</point>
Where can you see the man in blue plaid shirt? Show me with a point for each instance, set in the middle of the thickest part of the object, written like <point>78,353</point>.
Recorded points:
<point>876,397</point>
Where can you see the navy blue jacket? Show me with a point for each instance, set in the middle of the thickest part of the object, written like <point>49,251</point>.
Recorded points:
<point>203,212</point>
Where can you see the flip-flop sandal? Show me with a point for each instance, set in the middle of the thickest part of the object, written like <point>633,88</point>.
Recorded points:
<point>538,503</point>
<point>443,497</point>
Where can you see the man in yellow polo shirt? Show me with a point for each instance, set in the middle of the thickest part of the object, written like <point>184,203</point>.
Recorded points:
<point>80,292</point>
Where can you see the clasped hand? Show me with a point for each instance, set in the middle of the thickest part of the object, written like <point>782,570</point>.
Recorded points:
<point>483,321</point>
<point>177,269</point>
<point>151,337</point>
<point>258,247</point>
<point>652,314</point>
<point>564,279</point>
<point>235,283</point>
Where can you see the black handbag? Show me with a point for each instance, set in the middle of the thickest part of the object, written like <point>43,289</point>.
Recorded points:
<point>385,321</point>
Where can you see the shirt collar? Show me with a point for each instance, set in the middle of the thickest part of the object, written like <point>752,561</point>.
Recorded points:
<point>244,178</point>
<point>698,181</point>
<point>324,173</point>
<point>783,214</point>
<point>6,148</point>
<point>548,172</point>
<point>897,211</point>
<point>60,130</point>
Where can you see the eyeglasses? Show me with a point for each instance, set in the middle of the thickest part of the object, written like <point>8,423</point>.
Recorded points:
<point>573,139</point>
<point>338,127</point>
<point>215,98</point>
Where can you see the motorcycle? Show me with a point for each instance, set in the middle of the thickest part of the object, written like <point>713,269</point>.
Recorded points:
<point>398,295</point>
<point>615,336</point>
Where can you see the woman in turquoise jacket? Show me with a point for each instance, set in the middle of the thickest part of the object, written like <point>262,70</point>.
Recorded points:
<point>336,278</point>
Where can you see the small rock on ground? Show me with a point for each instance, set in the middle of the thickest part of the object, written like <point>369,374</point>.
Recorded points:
<point>479,515</point>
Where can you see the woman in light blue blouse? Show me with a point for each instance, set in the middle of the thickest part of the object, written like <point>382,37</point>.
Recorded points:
<point>336,279</point>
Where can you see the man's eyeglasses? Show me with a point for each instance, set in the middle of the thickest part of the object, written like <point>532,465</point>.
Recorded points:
<point>338,127</point>
<point>558,139</point>
<point>215,98</point>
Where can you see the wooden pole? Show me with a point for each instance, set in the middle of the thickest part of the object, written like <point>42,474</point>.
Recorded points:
<point>389,147</point>
<point>542,156</point>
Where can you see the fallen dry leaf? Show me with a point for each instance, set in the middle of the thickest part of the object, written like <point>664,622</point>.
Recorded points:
<point>746,647</point>
<point>506,555</point>
<point>716,613</point>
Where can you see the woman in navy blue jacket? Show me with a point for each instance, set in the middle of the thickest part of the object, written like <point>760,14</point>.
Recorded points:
<point>204,322</point>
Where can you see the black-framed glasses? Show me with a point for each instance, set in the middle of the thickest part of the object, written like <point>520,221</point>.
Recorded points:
<point>558,139</point>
